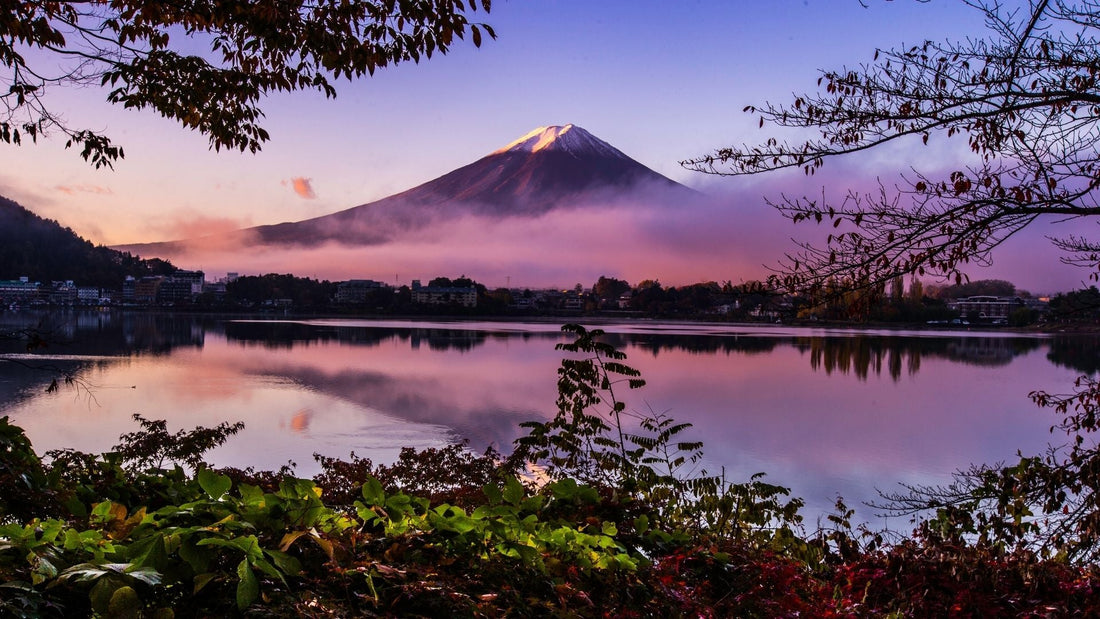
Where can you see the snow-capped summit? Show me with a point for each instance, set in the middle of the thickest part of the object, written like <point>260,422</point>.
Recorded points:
<point>563,138</point>
<point>549,168</point>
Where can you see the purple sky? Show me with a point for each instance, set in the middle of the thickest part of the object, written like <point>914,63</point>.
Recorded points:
<point>660,81</point>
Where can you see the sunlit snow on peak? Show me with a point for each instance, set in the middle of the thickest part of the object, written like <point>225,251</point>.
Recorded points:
<point>537,140</point>
<point>566,138</point>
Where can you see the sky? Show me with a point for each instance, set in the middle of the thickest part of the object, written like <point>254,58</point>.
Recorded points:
<point>661,81</point>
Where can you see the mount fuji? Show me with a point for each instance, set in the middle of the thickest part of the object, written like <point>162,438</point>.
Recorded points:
<point>550,168</point>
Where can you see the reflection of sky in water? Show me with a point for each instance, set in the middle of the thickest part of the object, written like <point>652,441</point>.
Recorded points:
<point>761,406</point>
<point>283,420</point>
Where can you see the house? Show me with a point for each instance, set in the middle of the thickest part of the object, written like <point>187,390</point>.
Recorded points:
<point>18,290</point>
<point>443,295</point>
<point>986,306</point>
<point>356,290</point>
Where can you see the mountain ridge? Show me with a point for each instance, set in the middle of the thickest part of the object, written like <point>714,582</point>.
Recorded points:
<point>43,250</point>
<point>552,167</point>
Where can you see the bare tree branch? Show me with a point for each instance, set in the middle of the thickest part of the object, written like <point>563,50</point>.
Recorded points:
<point>1026,99</point>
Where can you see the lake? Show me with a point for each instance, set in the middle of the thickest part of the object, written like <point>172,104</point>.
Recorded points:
<point>824,412</point>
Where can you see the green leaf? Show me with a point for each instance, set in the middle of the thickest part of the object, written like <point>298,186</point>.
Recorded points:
<point>201,580</point>
<point>251,496</point>
<point>198,559</point>
<point>248,544</point>
<point>248,589</point>
<point>125,603</point>
<point>76,507</point>
<point>513,491</point>
<point>147,551</point>
<point>288,564</point>
<point>373,493</point>
<point>146,575</point>
<point>267,568</point>
<point>492,493</point>
<point>100,596</point>
<point>216,486</point>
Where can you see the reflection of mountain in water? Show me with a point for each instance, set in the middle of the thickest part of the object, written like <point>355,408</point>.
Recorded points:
<point>420,400</point>
<point>866,354</point>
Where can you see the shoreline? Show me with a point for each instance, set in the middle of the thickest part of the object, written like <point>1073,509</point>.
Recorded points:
<point>596,319</point>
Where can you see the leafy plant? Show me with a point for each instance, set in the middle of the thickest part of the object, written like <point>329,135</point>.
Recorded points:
<point>23,480</point>
<point>589,439</point>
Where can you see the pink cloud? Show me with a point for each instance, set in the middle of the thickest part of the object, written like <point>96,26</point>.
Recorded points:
<point>74,189</point>
<point>706,239</point>
<point>731,234</point>
<point>303,187</point>
<point>191,225</point>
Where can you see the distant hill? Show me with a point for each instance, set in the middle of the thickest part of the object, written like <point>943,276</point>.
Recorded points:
<point>43,250</point>
<point>549,168</point>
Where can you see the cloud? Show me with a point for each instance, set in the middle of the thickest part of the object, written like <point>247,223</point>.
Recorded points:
<point>684,242</point>
<point>196,226</point>
<point>302,186</point>
<point>731,234</point>
<point>84,188</point>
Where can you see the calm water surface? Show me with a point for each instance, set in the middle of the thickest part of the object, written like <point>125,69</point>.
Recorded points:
<point>823,412</point>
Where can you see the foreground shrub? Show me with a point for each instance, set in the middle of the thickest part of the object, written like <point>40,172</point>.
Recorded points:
<point>615,527</point>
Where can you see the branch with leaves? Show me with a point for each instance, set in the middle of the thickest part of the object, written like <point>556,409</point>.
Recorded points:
<point>151,55</point>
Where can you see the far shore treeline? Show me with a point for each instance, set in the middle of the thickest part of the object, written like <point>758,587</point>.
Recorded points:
<point>41,250</point>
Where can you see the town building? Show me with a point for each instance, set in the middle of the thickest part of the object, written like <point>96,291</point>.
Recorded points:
<point>89,295</point>
<point>193,278</point>
<point>443,295</point>
<point>174,290</point>
<point>18,290</point>
<point>129,289</point>
<point>63,293</point>
<point>356,290</point>
<point>986,306</point>
<point>146,289</point>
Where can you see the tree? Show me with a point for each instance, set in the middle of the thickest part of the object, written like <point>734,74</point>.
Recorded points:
<point>608,290</point>
<point>916,290</point>
<point>1025,98</point>
<point>147,54</point>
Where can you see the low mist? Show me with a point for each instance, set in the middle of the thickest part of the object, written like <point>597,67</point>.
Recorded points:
<point>663,233</point>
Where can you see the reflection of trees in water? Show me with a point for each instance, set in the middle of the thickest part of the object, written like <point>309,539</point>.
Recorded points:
<point>1077,352</point>
<point>76,341</point>
<point>26,378</point>
<point>126,333</point>
<point>289,334</point>
<point>863,355</point>
<point>655,343</point>
<point>285,335</point>
<point>90,332</point>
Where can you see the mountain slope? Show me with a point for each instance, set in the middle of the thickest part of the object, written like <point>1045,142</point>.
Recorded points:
<point>42,250</point>
<point>549,168</point>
